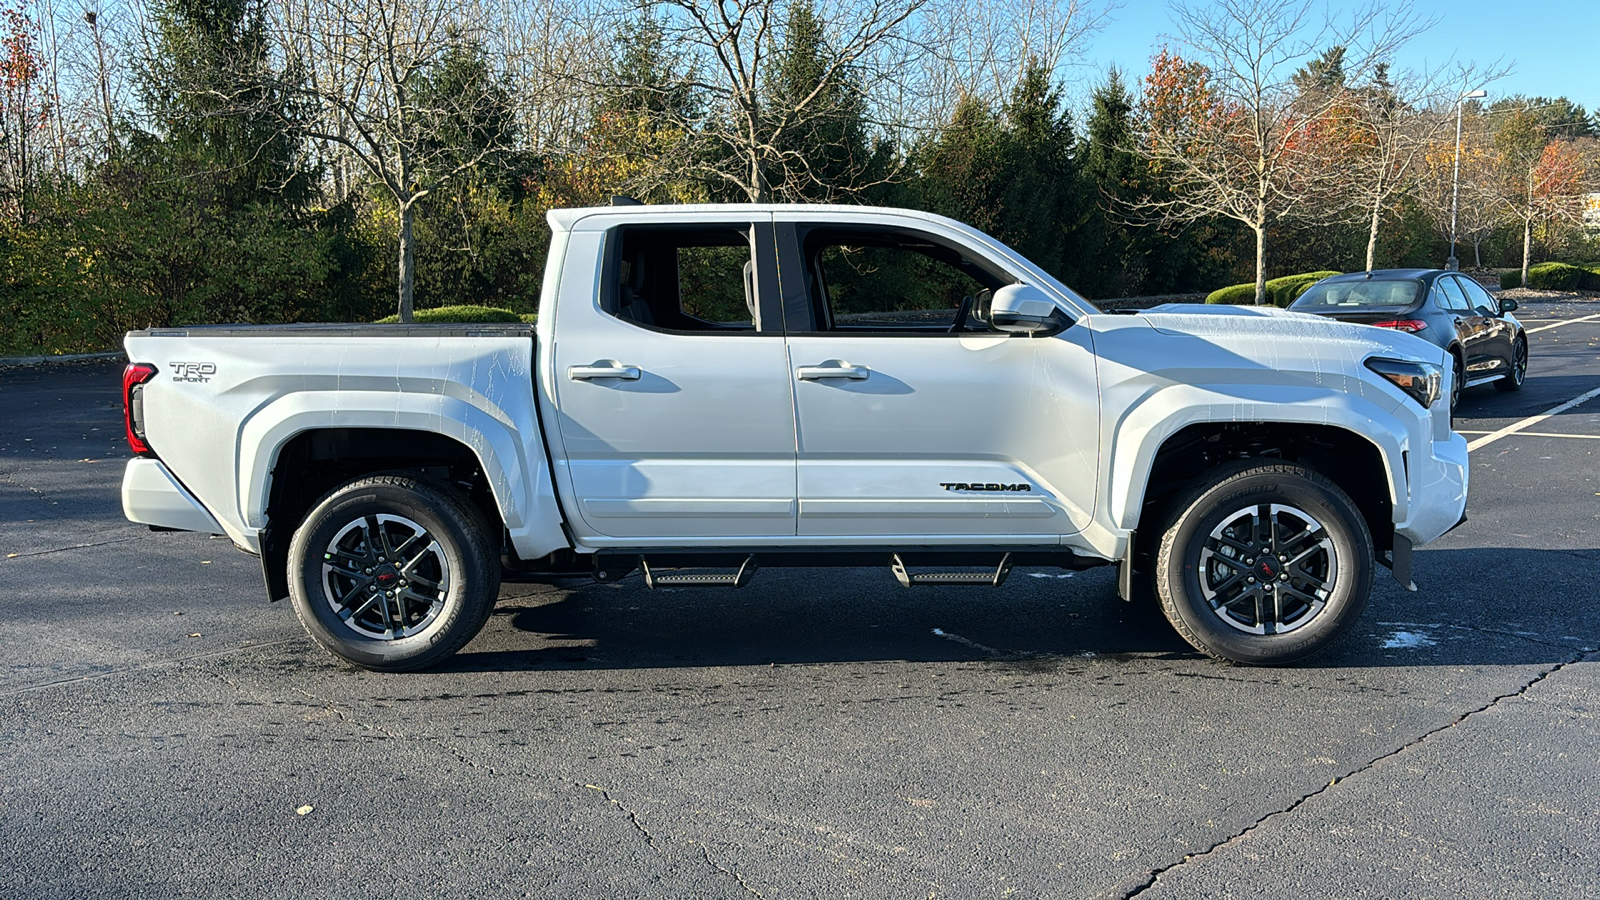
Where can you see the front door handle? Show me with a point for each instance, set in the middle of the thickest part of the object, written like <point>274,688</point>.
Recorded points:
<point>833,368</point>
<point>603,368</point>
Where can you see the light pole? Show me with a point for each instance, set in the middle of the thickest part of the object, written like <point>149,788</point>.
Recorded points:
<point>1455,179</point>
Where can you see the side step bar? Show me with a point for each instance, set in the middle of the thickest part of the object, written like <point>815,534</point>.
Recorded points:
<point>739,579</point>
<point>909,579</point>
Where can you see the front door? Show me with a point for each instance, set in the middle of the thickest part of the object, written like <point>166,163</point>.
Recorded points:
<point>916,421</point>
<point>673,400</point>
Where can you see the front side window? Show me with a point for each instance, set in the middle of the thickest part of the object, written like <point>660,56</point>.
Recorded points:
<point>684,278</point>
<point>1481,300</point>
<point>895,282</point>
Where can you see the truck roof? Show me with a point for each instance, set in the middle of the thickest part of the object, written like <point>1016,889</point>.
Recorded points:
<point>564,218</point>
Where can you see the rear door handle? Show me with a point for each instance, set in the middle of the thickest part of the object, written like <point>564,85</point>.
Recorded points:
<point>603,368</point>
<point>833,368</point>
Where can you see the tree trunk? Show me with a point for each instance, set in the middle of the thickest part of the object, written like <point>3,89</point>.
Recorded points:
<point>1372,233</point>
<point>1527,247</point>
<point>758,189</point>
<point>408,260</point>
<point>1261,265</point>
<point>1477,252</point>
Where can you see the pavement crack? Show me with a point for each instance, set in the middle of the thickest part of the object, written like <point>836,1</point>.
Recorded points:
<point>1156,874</point>
<point>728,872</point>
<point>72,547</point>
<point>142,667</point>
<point>633,817</point>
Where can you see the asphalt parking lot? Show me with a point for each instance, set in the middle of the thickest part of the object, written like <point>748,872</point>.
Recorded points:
<point>166,732</point>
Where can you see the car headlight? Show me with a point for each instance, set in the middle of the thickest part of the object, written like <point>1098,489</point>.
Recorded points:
<point>1421,382</point>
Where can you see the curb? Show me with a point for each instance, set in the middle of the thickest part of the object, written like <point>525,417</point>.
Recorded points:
<point>23,362</point>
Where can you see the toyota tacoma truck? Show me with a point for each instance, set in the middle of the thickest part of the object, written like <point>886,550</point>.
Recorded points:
<point>714,389</point>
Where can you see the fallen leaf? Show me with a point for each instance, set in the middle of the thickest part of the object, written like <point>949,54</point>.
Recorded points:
<point>205,562</point>
<point>304,809</point>
<point>195,634</point>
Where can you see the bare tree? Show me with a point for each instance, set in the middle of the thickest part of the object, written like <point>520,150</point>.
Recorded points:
<point>360,71</point>
<point>734,46</point>
<point>1230,130</point>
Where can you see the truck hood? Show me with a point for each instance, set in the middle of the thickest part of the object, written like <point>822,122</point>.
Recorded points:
<point>1248,329</point>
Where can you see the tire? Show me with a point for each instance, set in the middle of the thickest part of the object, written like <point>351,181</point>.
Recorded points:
<point>1458,380</point>
<point>1512,380</point>
<point>1201,564</point>
<point>442,594</point>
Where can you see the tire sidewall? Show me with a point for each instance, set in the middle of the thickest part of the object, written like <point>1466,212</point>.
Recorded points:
<point>435,514</point>
<point>1181,566</point>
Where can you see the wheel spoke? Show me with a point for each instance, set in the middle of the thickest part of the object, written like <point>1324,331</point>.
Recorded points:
<point>380,542</point>
<point>1230,561</point>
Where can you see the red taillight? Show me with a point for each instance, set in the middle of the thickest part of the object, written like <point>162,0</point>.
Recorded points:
<point>1411,326</point>
<point>133,379</point>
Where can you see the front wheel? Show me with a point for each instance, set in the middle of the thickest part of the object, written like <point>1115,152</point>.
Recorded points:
<point>1263,563</point>
<point>393,573</point>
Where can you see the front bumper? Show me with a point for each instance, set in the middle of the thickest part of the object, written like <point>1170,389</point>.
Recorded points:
<point>1436,486</point>
<point>151,496</point>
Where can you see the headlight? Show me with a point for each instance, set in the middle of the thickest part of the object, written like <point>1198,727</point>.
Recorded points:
<point>1421,381</point>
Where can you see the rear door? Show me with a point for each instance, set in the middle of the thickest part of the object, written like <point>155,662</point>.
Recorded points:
<point>673,400</point>
<point>914,423</point>
<point>1497,332</point>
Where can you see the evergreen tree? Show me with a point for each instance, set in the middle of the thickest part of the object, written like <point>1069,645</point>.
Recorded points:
<point>205,87</point>
<point>823,144</point>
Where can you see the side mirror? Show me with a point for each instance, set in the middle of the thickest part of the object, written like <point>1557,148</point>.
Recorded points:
<point>1507,305</point>
<point>1024,309</point>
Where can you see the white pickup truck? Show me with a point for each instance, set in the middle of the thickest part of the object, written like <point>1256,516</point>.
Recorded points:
<point>710,389</point>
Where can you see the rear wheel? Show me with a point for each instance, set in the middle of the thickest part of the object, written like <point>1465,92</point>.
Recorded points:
<point>393,573</point>
<point>1263,563</point>
<point>1512,380</point>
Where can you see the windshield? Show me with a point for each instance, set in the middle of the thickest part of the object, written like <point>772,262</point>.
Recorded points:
<point>1347,295</point>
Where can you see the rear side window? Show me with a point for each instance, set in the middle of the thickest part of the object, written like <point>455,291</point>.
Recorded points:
<point>683,278</point>
<point>1357,294</point>
<point>1450,295</point>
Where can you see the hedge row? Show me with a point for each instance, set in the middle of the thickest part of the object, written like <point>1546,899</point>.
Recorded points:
<point>462,314</point>
<point>1555,276</point>
<point>1280,291</point>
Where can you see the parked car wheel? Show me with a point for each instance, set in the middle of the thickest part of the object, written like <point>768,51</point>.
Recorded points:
<point>1263,563</point>
<point>1519,367</point>
<point>1458,379</point>
<point>393,573</point>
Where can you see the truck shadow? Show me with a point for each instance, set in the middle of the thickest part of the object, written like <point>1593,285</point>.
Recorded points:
<point>1501,606</point>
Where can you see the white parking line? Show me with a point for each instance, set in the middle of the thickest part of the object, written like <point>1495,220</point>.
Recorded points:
<point>1586,437</point>
<point>1530,421</point>
<point>1561,323</point>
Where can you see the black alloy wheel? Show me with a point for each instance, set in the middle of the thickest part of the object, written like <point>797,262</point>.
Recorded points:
<point>393,572</point>
<point>1263,562</point>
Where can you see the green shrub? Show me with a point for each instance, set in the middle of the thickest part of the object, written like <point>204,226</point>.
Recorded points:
<point>457,314</point>
<point>1590,280</point>
<point>1511,279</point>
<point>1555,276</point>
<point>1280,291</point>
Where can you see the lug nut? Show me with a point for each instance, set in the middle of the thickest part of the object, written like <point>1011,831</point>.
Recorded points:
<point>369,571</point>
<point>1284,577</point>
<point>1283,557</point>
<point>1250,579</point>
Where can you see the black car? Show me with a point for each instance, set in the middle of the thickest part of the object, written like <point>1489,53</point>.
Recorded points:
<point>1446,308</point>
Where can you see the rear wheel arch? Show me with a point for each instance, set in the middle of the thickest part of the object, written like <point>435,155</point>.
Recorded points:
<point>313,462</point>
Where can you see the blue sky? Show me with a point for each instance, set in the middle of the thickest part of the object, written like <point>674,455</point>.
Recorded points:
<point>1553,45</point>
